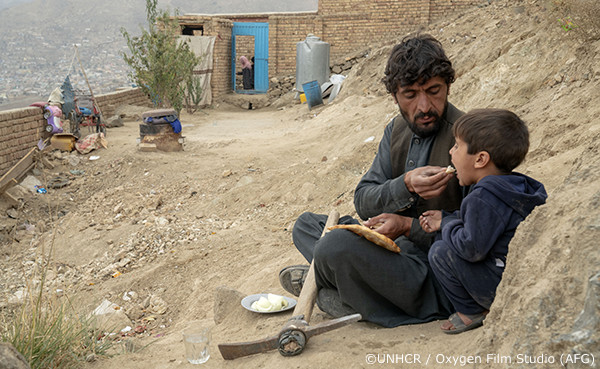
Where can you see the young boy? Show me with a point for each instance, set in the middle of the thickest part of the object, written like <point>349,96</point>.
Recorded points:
<point>469,253</point>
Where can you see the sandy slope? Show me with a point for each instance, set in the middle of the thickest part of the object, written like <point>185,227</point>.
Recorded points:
<point>194,231</point>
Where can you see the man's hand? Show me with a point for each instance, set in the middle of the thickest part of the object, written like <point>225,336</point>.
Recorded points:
<point>427,182</point>
<point>431,220</point>
<point>390,225</point>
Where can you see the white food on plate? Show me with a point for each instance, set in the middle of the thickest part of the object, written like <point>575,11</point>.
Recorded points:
<point>270,303</point>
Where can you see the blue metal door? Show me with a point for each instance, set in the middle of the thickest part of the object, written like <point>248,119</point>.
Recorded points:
<point>260,31</point>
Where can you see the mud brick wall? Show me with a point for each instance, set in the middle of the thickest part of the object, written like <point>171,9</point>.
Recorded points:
<point>109,102</point>
<point>20,131</point>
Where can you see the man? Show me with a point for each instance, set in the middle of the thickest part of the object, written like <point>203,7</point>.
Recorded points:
<point>407,177</point>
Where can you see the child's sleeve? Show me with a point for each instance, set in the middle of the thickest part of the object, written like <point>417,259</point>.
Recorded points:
<point>475,231</point>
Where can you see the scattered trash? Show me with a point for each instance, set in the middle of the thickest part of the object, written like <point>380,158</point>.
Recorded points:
<point>41,144</point>
<point>126,329</point>
<point>370,139</point>
<point>336,81</point>
<point>31,183</point>
<point>77,172</point>
<point>94,157</point>
<point>39,189</point>
<point>58,182</point>
<point>63,141</point>
<point>52,115</point>
<point>106,307</point>
<point>312,90</point>
<point>91,142</point>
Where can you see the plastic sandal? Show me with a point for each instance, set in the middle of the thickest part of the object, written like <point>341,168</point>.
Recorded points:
<point>459,326</point>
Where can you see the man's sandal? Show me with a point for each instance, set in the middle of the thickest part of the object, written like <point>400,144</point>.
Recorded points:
<point>292,278</point>
<point>458,326</point>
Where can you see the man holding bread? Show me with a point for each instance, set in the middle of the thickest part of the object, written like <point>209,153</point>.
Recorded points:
<point>408,177</point>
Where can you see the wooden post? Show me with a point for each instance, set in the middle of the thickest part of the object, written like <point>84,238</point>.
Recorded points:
<point>88,82</point>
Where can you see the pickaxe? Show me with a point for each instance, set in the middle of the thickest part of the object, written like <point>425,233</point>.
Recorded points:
<point>294,335</point>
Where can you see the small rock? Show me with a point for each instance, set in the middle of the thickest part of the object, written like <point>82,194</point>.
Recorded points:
<point>114,121</point>
<point>11,358</point>
<point>73,160</point>
<point>12,213</point>
<point>157,305</point>
<point>226,301</point>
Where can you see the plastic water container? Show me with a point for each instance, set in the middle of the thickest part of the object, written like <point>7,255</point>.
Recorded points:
<point>312,90</point>
<point>312,61</point>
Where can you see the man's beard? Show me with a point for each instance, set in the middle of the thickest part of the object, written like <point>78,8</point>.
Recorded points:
<point>429,131</point>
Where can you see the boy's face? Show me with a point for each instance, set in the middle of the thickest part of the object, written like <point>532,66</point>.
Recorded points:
<point>463,162</point>
<point>423,105</point>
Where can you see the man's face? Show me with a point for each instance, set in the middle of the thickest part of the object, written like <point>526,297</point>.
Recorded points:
<point>423,105</point>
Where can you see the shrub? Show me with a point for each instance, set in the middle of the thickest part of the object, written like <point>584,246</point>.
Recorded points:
<point>160,64</point>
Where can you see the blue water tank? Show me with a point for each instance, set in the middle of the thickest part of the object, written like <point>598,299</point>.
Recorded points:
<point>312,61</point>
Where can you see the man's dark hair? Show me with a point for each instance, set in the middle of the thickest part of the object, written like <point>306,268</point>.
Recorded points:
<point>499,132</point>
<point>417,59</point>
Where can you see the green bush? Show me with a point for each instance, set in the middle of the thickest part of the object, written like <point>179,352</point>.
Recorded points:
<point>160,64</point>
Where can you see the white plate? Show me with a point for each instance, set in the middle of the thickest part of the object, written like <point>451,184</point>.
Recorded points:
<point>248,300</point>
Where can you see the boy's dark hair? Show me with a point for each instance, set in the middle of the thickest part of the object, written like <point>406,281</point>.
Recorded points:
<point>417,59</point>
<point>499,132</point>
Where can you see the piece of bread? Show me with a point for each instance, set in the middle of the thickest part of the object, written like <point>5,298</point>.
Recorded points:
<point>366,232</point>
<point>450,169</point>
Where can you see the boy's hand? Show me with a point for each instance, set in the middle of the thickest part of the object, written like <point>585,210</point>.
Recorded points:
<point>431,220</point>
<point>390,225</point>
<point>427,182</point>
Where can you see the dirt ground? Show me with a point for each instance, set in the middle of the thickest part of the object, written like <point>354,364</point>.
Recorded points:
<point>174,237</point>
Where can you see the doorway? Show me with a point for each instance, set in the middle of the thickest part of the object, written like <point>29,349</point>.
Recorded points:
<point>250,39</point>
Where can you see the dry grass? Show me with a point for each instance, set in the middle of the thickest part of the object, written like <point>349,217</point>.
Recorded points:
<point>48,331</point>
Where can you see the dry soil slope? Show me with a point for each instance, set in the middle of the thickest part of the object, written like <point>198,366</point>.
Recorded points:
<point>506,55</point>
<point>516,56</point>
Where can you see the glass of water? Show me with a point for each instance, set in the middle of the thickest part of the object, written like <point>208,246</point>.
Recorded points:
<point>196,338</point>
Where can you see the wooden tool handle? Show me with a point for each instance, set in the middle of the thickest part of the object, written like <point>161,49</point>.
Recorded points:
<point>308,295</point>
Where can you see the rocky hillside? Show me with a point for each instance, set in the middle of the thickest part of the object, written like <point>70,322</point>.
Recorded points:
<point>190,233</point>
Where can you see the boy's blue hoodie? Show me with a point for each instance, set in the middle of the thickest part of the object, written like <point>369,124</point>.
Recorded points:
<point>489,215</point>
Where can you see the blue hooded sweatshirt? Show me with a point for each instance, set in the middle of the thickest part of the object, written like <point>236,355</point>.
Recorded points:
<point>489,215</point>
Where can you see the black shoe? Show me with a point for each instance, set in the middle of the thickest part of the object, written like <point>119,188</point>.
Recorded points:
<point>292,278</point>
<point>330,302</point>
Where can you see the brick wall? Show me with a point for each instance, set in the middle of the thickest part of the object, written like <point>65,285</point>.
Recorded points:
<point>109,102</point>
<point>21,129</point>
<point>285,31</point>
<point>347,25</point>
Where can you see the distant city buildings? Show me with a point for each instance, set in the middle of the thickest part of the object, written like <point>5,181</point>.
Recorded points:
<point>37,73</point>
